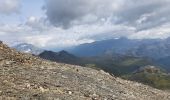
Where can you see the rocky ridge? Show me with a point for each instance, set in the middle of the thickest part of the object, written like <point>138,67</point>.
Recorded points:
<point>25,77</point>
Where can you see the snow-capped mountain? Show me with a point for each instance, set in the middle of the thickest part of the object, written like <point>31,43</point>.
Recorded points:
<point>28,48</point>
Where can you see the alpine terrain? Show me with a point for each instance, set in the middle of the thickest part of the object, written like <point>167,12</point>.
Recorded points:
<point>25,77</point>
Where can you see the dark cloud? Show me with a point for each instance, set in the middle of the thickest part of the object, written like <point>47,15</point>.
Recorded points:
<point>141,14</point>
<point>144,14</point>
<point>68,12</point>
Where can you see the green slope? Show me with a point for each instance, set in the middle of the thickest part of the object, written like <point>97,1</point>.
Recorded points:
<point>158,78</point>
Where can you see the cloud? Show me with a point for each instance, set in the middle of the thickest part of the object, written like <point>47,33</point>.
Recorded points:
<point>139,13</point>
<point>73,22</point>
<point>161,31</point>
<point>9,6</point>
<point>144,14</point>
<point>68,12</point>
<point>48,36</point>
<point>37,23</point>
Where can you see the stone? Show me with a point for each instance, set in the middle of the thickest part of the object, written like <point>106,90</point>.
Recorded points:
<point>69,92</point>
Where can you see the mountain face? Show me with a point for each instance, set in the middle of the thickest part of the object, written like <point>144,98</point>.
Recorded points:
<point>62,56</point>
<point>155,50</point>
<point>164,62</point>
<point>101,47</point>
<point>28,48</point>
<point>25,77</point>
<point>149,48</point>
<point>119,46</point>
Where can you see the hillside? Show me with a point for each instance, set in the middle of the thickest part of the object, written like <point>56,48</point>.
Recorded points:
<point>151,75</point>
<point>112,63</point>
<point>25,77</point>
<point>62,57</point>
<point>117,64</point>
<point>128,67</point>
<point>164,62</point>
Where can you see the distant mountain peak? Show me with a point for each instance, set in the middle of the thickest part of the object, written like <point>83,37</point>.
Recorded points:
<point>28,48</point>
<point>62,56</point>
<point>63,51</point>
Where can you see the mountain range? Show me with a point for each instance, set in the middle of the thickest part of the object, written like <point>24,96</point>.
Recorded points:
<point>148,48</point>
<point>157,50</point>
<point>120,57</point>
<point>27,77</point>
<point>151,48</point>
<point>114,64</point>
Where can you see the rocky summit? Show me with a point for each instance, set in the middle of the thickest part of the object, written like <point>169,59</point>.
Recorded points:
<point>25,77</point>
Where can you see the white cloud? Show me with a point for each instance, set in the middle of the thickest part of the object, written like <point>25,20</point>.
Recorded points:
<point>50,36</point>
<point>162,31</point>
<point>9,6</point>
<point>73,22</point>
<point>37,23</point>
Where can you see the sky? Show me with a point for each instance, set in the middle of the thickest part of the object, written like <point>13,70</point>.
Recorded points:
<point>65,23</point>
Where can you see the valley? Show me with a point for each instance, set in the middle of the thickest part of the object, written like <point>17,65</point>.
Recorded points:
<point>123,63</point>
